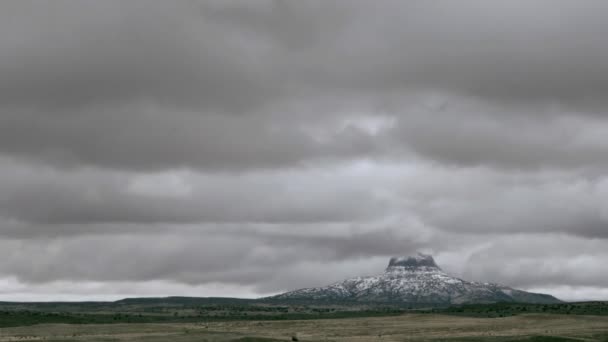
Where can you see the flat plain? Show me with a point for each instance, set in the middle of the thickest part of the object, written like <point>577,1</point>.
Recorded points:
<point>407,327</point>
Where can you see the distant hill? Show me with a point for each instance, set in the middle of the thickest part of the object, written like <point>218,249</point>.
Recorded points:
<point>416,280</point>
<point>185,301</point>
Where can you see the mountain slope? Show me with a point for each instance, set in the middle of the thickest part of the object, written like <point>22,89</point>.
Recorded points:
<point>416,280</point>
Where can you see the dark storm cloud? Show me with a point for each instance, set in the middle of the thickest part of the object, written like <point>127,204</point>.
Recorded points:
<point>194,256</point>
<point>482,201</point>
<point>78,53</point>
<point>226,52</point>
<point>31,194</point>
<point>269,145</point>
<point>469,131</point>
<point>148,85</point>
<point>151,85</point>
<point>525,261</point>
<point>143,137</point>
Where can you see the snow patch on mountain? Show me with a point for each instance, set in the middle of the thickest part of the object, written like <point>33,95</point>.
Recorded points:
<point>416,279</point>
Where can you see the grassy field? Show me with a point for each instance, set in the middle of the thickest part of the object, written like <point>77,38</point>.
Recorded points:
<point>230,320</point>
<point>193,310</point>
<point>408,327</point>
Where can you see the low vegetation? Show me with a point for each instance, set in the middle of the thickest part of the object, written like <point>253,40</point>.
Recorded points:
<point>196,319</point>
<point>193,310</point>
<point>512,309</point>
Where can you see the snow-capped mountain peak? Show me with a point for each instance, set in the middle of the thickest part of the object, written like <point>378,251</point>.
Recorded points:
<point>415,279</point>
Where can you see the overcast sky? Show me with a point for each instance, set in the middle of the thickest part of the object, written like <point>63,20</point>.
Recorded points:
<point>244,148</point>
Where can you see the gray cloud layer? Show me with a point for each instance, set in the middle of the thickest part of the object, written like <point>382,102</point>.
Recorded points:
<point>249,142</point>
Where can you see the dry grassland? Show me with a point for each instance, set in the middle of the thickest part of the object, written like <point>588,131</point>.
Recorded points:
<point>399,328</point>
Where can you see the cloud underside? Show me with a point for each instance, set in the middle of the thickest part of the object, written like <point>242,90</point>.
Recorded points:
<point>271,145</point>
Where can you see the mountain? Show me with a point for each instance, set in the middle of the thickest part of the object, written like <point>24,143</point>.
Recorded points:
<point>416,280</point>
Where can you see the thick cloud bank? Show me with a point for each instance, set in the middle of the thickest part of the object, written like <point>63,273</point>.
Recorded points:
<point>248,147</point>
